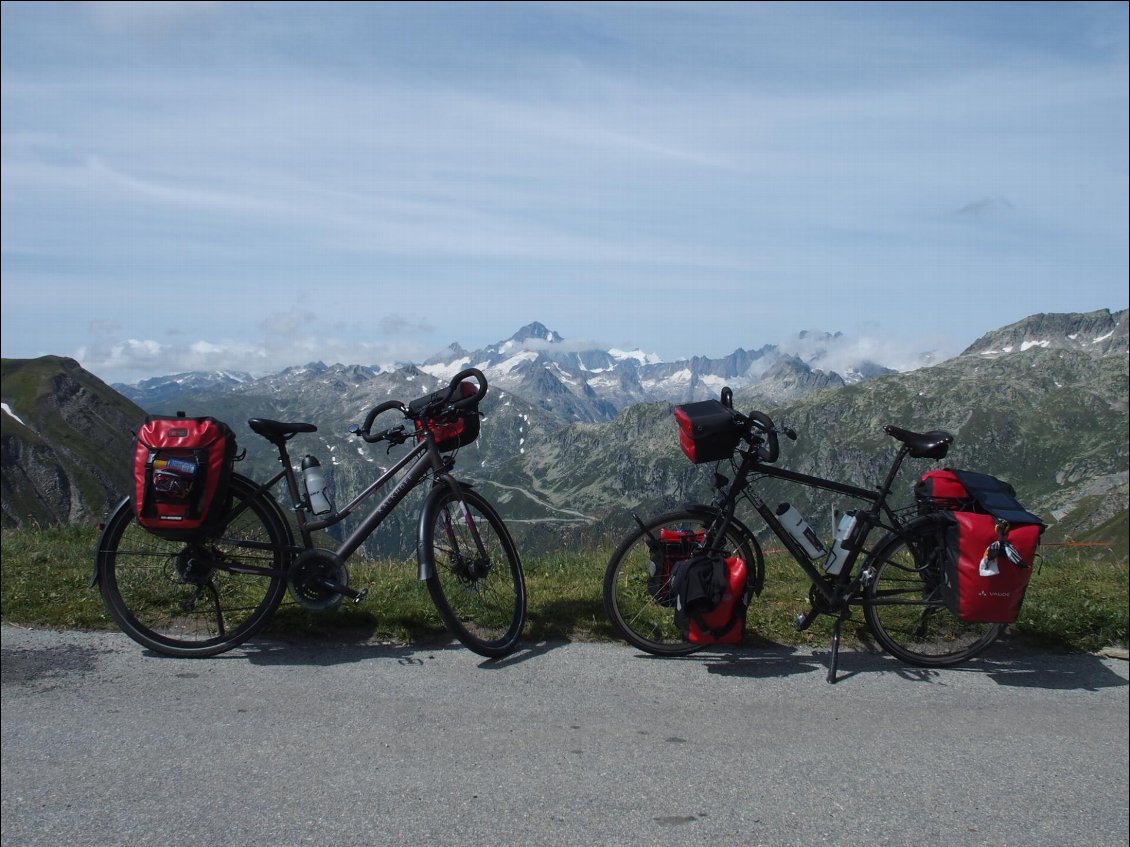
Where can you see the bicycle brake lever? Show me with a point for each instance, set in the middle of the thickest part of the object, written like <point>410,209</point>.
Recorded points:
<point>789,432</point>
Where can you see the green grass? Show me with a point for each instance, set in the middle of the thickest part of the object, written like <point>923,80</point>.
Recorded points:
<point>1078,599</point>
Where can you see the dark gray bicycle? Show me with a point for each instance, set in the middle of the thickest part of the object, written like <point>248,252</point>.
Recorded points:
<point>210,593</point>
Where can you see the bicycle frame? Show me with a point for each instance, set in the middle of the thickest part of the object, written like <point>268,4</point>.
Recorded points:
<point>421,460</point>
<point>837,592</point>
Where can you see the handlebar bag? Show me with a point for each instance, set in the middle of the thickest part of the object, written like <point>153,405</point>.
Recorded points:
<point>711,598</point>
<point>451,431</point>
<point>181,471</point>
<point>987,566</point>
<point>707,431</point>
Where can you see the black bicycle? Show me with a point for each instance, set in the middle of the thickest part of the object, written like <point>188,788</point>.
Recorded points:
<point>888,562</point>
<point>211,593</point>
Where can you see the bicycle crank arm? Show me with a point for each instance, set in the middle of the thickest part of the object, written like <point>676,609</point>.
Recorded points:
<point>344,590</point>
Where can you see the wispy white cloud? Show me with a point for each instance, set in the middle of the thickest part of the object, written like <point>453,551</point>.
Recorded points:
<point>598,167</point>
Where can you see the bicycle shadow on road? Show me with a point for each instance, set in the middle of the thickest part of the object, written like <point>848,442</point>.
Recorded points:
<point>340,650</point>
<point>1007,663</point>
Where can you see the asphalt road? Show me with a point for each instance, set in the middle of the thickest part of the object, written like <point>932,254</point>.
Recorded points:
<point>325,743</point>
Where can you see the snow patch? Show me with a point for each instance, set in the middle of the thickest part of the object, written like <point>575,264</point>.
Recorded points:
<point>8,411</point>
<point>446,371</point>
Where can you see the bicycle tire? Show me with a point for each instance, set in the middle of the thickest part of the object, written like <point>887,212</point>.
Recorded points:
<point>181,598</point>
<point>639,613</point>
<point>903,604</point>
<point>475,575</point>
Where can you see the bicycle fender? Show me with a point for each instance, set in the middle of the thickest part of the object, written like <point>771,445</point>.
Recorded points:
<point>426,565</point>
<point>708,513</point>
<point>94,570</point>
<point>711,512</point>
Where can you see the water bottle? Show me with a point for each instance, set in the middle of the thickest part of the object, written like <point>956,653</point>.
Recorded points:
<point>799,529</point>
<point>315,486</point>
<point>841,544</point>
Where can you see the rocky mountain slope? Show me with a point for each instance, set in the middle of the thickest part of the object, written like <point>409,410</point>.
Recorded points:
<point>64,443</point>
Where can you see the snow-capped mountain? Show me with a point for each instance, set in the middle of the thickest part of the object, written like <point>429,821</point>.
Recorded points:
<point>579,382</point>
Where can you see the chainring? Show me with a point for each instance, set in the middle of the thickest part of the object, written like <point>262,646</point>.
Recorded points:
<point>315,578</point>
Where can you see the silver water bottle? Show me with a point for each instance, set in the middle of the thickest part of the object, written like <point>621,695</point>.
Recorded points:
<point>316,492</point>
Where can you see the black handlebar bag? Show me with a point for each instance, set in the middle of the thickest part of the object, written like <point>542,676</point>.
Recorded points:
<point>707,431</point>
<point>181,471</point>
<point>453,430</point>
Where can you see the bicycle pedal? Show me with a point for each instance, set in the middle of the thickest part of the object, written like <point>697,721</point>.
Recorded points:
<point>804,620</point>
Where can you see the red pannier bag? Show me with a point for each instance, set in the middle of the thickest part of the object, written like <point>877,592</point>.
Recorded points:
<point>451,433</point>
<point>711,599</point>
<point>990,543</point>
<point>941,489</point>
<point>181,471</point>
<point>707,431</point>
<point>674,546</point>
<point>988,565</point>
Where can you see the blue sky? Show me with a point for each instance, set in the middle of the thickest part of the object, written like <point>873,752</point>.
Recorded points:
<point>251,186</point>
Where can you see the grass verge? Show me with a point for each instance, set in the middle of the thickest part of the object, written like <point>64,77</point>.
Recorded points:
<point>1078,600</point>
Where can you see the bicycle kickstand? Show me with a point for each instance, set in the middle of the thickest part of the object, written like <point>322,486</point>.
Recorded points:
<point>844,614</point>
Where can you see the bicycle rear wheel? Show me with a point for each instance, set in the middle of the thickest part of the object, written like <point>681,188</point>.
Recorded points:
<point>201,597</point>
<point>638,604</point>
<point>903,603</point>
<point>476,579</point>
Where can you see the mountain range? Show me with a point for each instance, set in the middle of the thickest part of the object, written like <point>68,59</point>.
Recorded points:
<point>574,439</point>
<point>573,381</point>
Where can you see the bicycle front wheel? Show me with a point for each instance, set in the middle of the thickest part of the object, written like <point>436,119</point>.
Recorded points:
<point>475,579</point>
<point>636,595</point>
<point>195,598</point>
<point>903,603</point>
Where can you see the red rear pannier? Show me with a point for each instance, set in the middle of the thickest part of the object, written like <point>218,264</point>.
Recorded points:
<point>941,489</point>
<point>985,580</point>
<point>707,431</point>
<point>454,432</point>
<point>181,470</point>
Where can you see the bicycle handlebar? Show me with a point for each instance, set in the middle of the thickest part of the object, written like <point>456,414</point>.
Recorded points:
<point>769,447</point>
<point>439,406</point>
<point>458,379</point>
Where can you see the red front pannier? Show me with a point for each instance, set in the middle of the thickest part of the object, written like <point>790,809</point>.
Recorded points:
<point>711,598</point>
<point>454,431</point>
<point>987,569</point>
<point>181,470</point>
<point>707,431</point>
<point>674,546</point>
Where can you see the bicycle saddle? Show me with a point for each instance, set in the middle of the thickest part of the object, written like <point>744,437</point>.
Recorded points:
<point>922,445</point>
<point>277,429</point>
